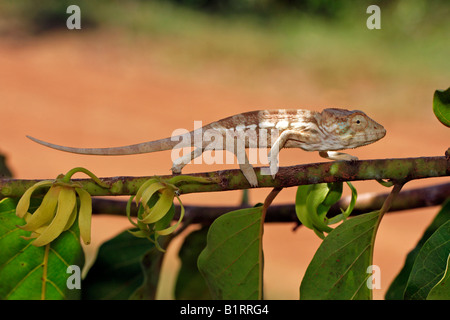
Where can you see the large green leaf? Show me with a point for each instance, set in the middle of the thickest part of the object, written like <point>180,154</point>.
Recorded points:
<point>397,287</point>
<point>151,266</point>
<point>117,272</point>
<point>441,106</point>
<point>190,283</point>
<point>441,291</point>
<point>29,272</point>
<point>338,270</point>
<point>232,261</point>
<point>429,265</point>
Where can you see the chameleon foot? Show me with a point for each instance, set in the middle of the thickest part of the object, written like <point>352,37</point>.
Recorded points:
<point>333,155</point>
<point>249,174</point>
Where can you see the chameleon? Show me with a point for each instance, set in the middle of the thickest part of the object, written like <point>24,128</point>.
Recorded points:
<point>328,131</point>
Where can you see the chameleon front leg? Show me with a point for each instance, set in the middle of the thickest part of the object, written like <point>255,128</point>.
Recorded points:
<point>238,149</point>
<point>275,150</point>
<point>235,144</point>
<point>333,155</point>
<point>248,170</point>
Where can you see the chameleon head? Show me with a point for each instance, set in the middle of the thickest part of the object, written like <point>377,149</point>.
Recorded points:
<point>350,129</point>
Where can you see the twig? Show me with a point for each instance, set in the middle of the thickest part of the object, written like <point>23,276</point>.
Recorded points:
<point>406,200</point>
<point>388,169</point>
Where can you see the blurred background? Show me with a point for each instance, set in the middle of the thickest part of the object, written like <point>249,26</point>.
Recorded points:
<point>137,70</point>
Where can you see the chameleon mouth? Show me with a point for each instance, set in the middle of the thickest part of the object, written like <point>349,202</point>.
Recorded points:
<point>380,132</point>
<point>366,138</point>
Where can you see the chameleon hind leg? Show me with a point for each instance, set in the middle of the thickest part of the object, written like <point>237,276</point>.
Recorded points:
<point>181,162</point>
<point>246,167</point>
<point>244,164</point>
<point>248,171</point>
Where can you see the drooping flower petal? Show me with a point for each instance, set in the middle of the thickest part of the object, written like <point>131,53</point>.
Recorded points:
<point>85,215</point>
<point>35,233</point>
<point>72,217</point>
<point>172,228</point>
<point>24,202</point>
<point>149,192</point>
<point>140,233</point>
<point>161,207</point>
<point>144,187</point>
<point>128,211</point>
<point>46,211</point>
<point>66,203</point>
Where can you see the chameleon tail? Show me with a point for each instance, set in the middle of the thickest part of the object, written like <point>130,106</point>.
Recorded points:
<point>145,147</point>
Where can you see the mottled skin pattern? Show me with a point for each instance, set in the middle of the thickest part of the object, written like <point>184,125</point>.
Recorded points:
<point>326,132</point>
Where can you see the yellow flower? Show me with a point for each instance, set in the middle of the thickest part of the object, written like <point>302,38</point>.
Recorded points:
<point>156,210</point>
<point>154,217</point>
<point>58,209</point>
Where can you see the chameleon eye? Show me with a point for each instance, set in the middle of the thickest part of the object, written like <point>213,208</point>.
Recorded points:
<point>359,122</point>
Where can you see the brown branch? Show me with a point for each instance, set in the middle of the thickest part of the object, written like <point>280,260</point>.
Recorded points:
<point>406,200</point>
<point>391,169</point>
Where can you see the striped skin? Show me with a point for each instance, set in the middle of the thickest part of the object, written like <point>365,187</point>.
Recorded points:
<point>329,130</point>
<point>332,129</point>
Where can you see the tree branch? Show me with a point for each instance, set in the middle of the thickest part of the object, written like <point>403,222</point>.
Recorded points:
<point>391,169</point>
<point>406,200</point>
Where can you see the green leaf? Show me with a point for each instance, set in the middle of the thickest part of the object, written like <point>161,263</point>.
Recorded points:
<point>151,266</point>
<point>300,205</point>
<point>190,284</point>
<point>117,272</point>
<point>345,214</point>
<point>441,106</point>
<point>338,269</point>
<point>5,172</point>
<point>441,291</point>
<point>232,261</point>
<point>315,204</point>
<point>429,265</point>
<point>29,272</point>
<point>397,287</point>
<point>314,201</point>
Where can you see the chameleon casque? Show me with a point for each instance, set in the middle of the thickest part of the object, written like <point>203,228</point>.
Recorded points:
<point>327,131</point>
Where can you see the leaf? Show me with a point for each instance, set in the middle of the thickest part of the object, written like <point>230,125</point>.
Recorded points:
<point>117,271</point>
<point>300,205</point>
<point>29,272</point>
<point>190,284</point>
<point>441,291</point>
<point>397,287</point>
<point>345,214</point>
<point>313,202</point>
<point>441,106</point>
<point>232,261</point>
<point>338,269</point>
<point>429,265</point>
<point>151,266</point>
<point>312,205</point>
<point>5,171</point>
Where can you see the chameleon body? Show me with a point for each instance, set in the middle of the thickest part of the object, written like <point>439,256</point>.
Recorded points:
<point>327,131</point>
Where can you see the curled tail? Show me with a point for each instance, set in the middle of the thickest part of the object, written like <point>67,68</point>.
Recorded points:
<point>145,147</point>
